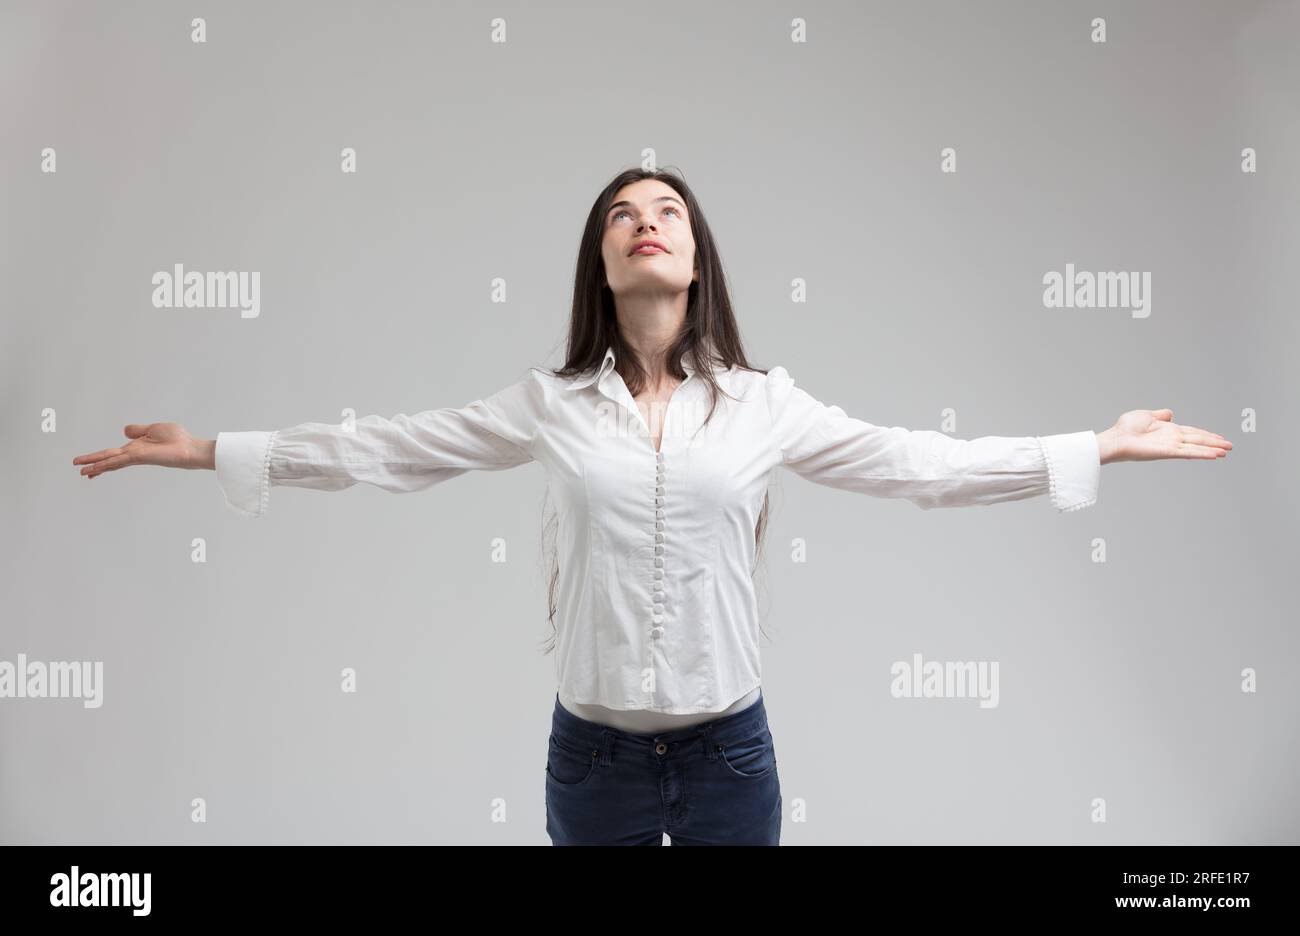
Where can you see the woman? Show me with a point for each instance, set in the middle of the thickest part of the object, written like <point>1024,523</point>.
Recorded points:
<point>658,439</point>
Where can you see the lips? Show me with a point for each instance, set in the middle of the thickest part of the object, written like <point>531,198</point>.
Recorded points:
<point>648,247</point>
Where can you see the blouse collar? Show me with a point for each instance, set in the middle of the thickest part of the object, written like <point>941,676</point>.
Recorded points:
<point>606,365</point>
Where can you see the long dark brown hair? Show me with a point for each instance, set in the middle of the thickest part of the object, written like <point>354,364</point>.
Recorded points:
<point>709,335</point>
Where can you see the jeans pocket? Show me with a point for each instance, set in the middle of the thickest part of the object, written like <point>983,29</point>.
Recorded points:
<point>567,764</point>
<point>751,757</point>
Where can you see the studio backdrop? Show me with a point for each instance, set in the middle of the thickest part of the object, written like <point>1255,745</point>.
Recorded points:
<point>908,198</point>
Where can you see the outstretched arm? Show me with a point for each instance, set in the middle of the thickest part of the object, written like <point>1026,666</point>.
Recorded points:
<point>931,469</point>
<point>401,454</point>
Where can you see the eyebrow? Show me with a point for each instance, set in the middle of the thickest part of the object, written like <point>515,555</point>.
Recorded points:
<point>628,204</point>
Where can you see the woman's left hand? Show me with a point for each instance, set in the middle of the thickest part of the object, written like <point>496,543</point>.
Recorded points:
<point>1144,435</point>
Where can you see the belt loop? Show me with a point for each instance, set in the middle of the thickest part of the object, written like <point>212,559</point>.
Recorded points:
<point>606,747</point>
<point>706,733</point>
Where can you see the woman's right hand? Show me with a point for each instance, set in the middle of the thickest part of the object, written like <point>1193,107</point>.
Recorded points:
<point>165,443</point>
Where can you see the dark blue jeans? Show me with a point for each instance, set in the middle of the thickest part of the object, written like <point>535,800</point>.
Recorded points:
<point>714,783</point>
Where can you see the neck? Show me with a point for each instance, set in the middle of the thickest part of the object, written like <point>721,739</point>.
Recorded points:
<point>649,325</point>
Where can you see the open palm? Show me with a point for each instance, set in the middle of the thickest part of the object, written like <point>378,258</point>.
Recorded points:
<point>164,443</point>
<point>1143,435</point>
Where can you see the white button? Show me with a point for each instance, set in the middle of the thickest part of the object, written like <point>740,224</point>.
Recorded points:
<point>659,550</point>
<point>658,609</point>
<point>659,524</point>
<point>657,631</point>
<point>659,561</point>
<point>659,514</point>
<point>659,501</point>
<point>659,573</point>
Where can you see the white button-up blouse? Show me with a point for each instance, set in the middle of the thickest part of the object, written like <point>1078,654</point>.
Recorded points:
<point>656,605</point>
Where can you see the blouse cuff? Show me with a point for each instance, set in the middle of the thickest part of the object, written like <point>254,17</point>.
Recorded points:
<point>1073,468</point>
<point>243,461</point>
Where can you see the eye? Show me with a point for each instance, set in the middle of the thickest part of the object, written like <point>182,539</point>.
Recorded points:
<point>673,210</point>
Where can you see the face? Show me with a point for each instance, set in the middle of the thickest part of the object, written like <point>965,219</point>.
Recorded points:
<point>648,210</point>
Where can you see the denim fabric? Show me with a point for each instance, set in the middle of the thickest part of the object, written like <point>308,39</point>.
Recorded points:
<point>714,783</point>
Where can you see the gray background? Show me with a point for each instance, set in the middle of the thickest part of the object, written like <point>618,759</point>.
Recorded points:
<point>817,160</point>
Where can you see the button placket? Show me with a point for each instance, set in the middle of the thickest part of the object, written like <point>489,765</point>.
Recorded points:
<point>657,597</point>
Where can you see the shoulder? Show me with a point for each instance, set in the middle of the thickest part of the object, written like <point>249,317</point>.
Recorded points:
<point>543,377</point>
<point>790,402</point>
<point>777,377</point>
<point>552,382</point>
<point>774,381</point>
<point>531,392</point>
<point>765,388</point>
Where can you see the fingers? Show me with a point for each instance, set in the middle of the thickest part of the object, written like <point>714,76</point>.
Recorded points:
<point>130,430</point>
<point>1204,437</point>
<point>1165,414</point>
<point>108,459</point>
<point>111,463</point>
<point>1191,450</point>
<point>95,456</point>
